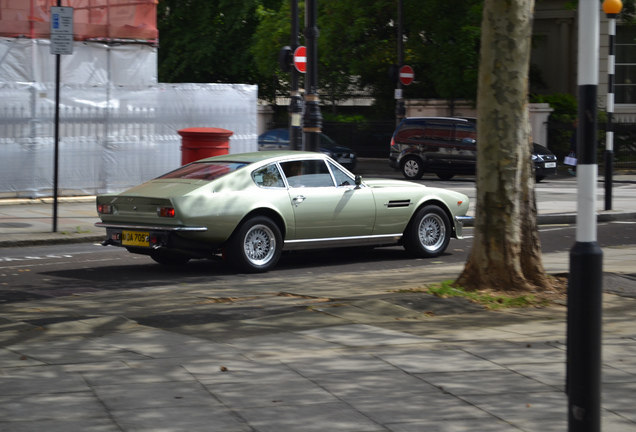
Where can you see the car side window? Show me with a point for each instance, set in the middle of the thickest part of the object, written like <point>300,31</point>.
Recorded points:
<point>439,131</point>
<point>307,173</point>
<point>410,131</point>
<point>268,176</point>
<point>342,179</point>
<point>463,131</point>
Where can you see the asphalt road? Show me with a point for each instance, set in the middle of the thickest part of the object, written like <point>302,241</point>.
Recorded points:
<point>62,270</point>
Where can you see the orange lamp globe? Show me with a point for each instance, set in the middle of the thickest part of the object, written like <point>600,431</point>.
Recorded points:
<point>612,6</point>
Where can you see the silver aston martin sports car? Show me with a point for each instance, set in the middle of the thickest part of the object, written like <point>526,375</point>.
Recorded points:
<point>248,208</point>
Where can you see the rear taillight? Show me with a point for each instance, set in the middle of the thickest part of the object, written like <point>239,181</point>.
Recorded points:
<point>165,212</point>
<point>104,208</point>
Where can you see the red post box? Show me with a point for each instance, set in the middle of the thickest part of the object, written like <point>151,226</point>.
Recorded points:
<point>201,142</point>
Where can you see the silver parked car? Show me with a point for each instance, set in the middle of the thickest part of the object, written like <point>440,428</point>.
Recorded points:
<point>250,207</point>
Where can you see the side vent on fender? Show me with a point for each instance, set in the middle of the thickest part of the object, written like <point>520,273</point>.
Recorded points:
<point>398,203</point>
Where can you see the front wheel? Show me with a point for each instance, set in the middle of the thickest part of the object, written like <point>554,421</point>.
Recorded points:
<point>256,246</point>
<point>429,232</point>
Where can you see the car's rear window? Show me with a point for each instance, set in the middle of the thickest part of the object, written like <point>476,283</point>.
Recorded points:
<point>204,170</point>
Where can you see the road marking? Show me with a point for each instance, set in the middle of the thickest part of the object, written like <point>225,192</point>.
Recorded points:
<point>41,264</point>
<point>32,258</point>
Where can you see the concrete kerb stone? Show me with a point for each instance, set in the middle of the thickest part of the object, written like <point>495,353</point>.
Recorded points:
<point>570,218</point>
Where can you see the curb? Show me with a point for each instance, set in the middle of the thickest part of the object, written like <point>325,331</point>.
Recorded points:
<point>570,218</point>
<point>43,239</point>
<point>46,200</point>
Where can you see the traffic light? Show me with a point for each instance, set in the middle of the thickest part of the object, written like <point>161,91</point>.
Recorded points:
<point>393,73</point>
<point>285,59</point>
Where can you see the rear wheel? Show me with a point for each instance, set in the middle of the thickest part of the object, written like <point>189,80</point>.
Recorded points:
<point>256,245</point>
<point>412,168</point>
<point>429,232</point>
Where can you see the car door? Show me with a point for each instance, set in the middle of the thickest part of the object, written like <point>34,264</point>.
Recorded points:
<point>326,202</point>
<point>439,144</point>
<point>464,158</point>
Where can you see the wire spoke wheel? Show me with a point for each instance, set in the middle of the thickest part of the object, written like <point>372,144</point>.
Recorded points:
<point>256,245</point>
<point>432,232</point>
<point>428,233</point>
<point>260,245</point>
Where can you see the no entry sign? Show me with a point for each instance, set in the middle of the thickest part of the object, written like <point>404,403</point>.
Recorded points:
<point>300,59</point>
<point>406,75</point>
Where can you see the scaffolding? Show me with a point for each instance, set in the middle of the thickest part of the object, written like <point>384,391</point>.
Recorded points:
<point>106,20</point>
<point>118,125</point>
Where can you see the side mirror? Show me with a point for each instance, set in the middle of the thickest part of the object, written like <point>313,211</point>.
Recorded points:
<point>358,182</point>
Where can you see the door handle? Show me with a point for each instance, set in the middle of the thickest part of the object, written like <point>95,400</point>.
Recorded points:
<point>299,199</point>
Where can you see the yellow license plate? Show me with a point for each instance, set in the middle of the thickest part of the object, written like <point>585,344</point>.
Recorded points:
<point>135,238</point>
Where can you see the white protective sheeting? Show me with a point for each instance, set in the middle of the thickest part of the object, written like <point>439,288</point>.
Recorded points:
<point>116,128</point>
<point>92,63</point>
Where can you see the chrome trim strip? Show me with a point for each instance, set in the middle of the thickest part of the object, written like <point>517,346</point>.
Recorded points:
<point>369,240</point>
<point>150,228</point>
<point>462,219</point>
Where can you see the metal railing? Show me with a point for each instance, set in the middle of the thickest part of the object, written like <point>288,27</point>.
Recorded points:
<point>559,135</point>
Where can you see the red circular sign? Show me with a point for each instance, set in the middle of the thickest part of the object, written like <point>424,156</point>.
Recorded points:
<point>300,59</point>
<point>407,75</point>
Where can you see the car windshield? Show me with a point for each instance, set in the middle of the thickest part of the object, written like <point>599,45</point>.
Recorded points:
<point>204,170</point>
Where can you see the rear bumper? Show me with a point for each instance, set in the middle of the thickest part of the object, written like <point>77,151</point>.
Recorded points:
<point>146,238</point>
<point>149,227</point>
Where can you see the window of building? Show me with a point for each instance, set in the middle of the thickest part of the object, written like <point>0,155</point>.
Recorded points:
<point>625,74</point>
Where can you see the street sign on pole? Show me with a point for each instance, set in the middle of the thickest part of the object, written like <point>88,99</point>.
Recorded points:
<point>300,59</point>
<point>61,30</point>
<point>407,75</point>
<point>61,44</point>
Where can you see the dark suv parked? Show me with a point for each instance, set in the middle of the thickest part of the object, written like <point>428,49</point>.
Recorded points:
<point>446,146</point>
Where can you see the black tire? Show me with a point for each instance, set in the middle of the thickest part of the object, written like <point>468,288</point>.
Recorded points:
<point>412,168</point>
<point>428,233</point>
<point>255,246</point>
<point>169,259</point>
<point>445,176</point>
<point>539,178</point>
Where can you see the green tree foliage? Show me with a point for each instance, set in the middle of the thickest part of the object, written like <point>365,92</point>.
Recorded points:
<point>443,45</point>
<point>208,40</point>
<point>358,44</point>
<point>236,41</point>
<point>272,33</point>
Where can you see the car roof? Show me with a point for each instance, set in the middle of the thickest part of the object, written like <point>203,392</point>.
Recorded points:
<point>463,119</point>
<point>253,157</point>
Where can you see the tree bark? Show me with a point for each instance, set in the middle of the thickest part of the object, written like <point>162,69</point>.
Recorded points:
<point>506,253</point>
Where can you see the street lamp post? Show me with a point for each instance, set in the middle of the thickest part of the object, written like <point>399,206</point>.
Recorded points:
<point>312,118</point>
<point>611,9</point>
<point>400,111</point>
<point>295,104</point>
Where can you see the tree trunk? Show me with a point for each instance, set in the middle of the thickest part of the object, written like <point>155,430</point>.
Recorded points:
<point>506,254</point>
